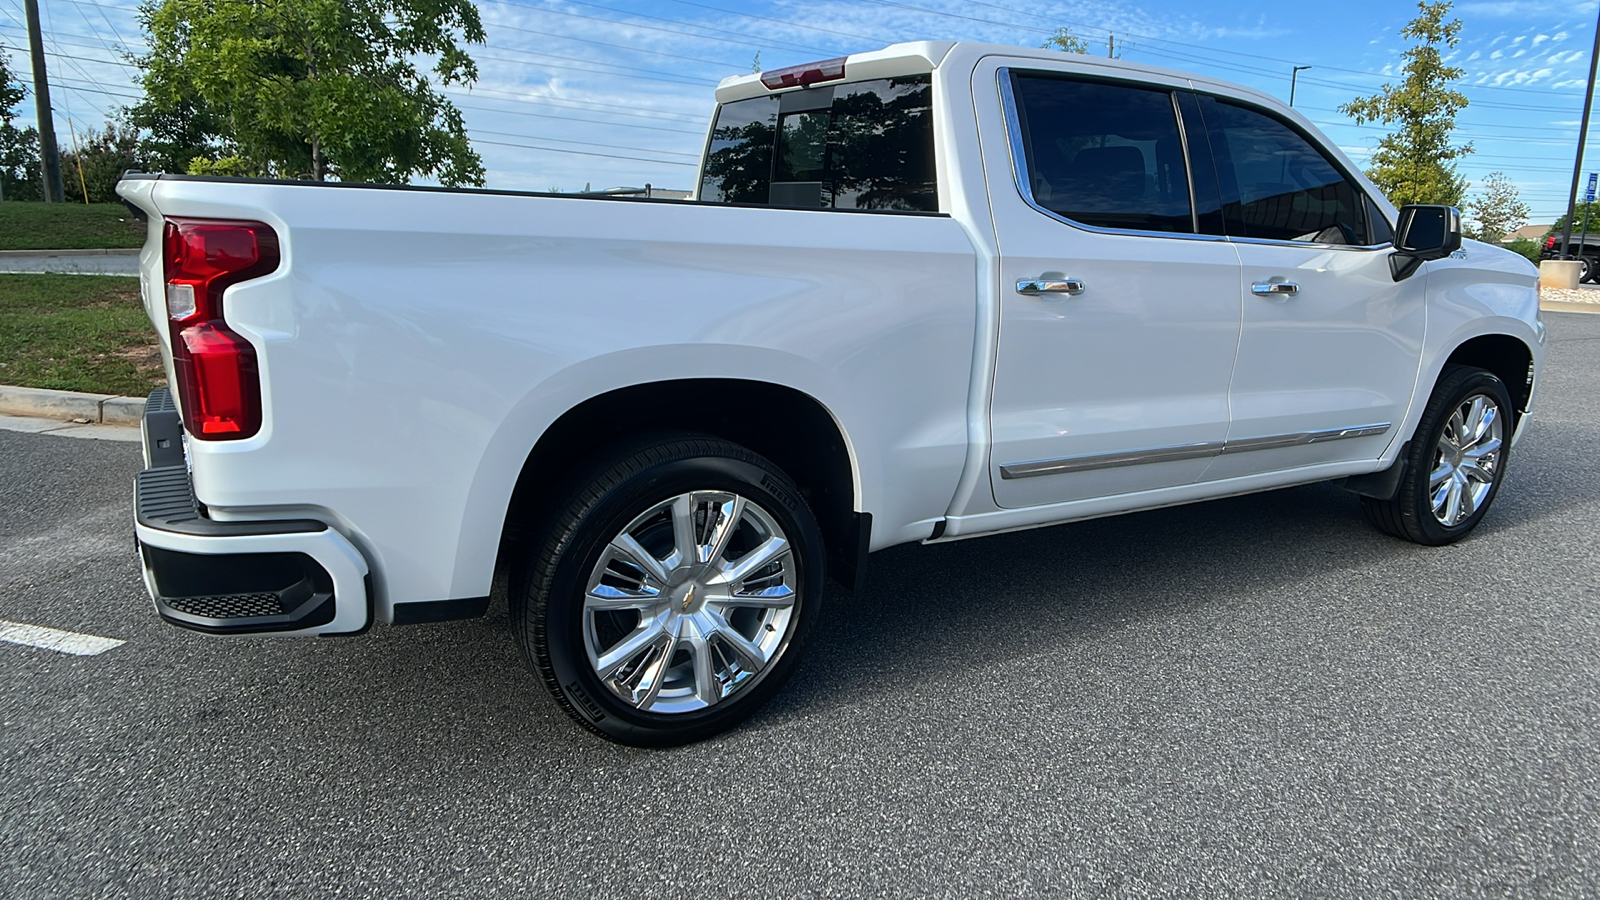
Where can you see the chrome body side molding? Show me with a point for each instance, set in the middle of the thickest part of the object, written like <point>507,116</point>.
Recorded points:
<point>1068,464</point>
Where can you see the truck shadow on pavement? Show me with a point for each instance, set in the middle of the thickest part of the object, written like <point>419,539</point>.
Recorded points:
<point>990,608</point>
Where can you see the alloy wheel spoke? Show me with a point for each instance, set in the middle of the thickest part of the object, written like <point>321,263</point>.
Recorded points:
<point>1480,450</point>
<point>721,532</point>
<point>1452,509</point>
<point>640,640</point>
<point>650,678</point>
<point>763,554</point>
<point>1469,499</point>
<point>1441,474</point>
<point>683,537</point>
<point>629,548</point>
<point>1471,420</point>
<point>1483,425</point>
<point>1473,472</point>
<point>749,655</point>
<point>778,597</point>
<point>605,597</point>
<point>707,686</point>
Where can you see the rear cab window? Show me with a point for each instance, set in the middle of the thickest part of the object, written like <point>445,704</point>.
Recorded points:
<point>864,145</point>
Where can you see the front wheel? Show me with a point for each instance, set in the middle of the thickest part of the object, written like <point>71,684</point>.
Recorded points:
<point>675,592</point>
<point>1455,463</point>
<point>1587,270</point>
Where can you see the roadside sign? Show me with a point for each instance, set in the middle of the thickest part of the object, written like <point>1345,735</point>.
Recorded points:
<point>1588,192</point>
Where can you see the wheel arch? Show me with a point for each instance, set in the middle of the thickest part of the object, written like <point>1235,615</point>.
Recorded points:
<point>1508,357</point>
<point>793,429</point>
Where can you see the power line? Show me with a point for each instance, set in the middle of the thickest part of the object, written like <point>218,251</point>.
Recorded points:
<point>540,137</point>
<point>613,123</point>
<point>659,162</point>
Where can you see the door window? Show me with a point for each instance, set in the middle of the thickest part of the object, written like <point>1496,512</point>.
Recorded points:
<point>1108,155</point>
<point>1277,185</point>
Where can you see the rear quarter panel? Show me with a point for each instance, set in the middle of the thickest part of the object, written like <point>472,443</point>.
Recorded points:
<point>414,345</point>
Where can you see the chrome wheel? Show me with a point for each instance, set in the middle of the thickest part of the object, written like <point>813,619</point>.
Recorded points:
<point>690,603</point>
<point>1467,460</point>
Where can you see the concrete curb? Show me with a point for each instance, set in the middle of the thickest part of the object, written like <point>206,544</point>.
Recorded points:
<point>48,254</point>
<point>1565,306</point>
<point>100,409</point>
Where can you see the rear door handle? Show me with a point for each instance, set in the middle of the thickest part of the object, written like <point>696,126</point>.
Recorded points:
<point>1274,288</point>
<point>1036,286</point>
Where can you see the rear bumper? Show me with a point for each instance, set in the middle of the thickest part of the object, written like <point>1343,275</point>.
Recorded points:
<point>288,577</point>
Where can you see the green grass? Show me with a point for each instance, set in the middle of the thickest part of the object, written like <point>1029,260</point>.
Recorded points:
<point>68,226</point>
<point>77,333</point>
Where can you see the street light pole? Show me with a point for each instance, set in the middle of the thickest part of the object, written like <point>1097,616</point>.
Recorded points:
<point>1293,77</point>
<point>1583,134</point>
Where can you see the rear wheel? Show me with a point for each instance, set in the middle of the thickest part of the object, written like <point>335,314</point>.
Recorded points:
<point>675,592</point>
<point>1455,463</point>
<point>1588,270</point>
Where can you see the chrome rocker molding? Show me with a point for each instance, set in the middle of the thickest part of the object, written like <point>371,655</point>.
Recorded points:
<point>1068,464</point>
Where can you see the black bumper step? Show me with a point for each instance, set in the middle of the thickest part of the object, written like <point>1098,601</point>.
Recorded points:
<point>219,593</point>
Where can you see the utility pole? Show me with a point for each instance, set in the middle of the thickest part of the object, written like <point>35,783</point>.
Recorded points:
<point>1583,134</point>
<point>49,158</point>
<point>1293,77</point>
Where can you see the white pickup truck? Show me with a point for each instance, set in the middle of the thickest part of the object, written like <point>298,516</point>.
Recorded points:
<point>925,293</point>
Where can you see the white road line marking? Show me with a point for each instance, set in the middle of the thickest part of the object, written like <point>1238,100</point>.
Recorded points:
<point>55,639</point>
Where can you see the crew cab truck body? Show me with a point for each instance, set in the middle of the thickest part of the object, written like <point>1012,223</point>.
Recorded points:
<point>930,292</point>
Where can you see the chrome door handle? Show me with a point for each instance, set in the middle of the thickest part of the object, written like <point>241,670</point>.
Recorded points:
<point>1036,286</point>
<point>1274,288</point>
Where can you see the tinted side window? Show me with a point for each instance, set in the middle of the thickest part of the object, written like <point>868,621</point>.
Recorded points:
<point>1104,154</point>
<point>1277,185</point>
<point>867,145</point>
<point>738,165</point>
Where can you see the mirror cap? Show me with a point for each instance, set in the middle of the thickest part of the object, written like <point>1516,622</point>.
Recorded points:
<point>1429,231</point>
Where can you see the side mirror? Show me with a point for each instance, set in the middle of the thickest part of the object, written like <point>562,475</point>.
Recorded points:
<point>1424,233</point>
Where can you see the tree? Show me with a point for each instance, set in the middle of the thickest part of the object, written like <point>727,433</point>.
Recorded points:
<point>1499,209</point>
<point>19,147</point>
<point>1580,210</point>
<point>1065,41</point>
<point>1415,163</point>
<point>98,162</point>
<point>315,88</point>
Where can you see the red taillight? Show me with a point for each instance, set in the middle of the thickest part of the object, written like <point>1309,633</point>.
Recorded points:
<point>804,76</point>
<point>1550,242</point>
<point>219,385</point>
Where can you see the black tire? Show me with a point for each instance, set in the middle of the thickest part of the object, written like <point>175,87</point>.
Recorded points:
<point>557,632</point>
<point>1410,514</point>
<point>1587,271</point>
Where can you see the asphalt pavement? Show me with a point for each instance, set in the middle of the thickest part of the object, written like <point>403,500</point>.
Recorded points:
<point>1255,697</point>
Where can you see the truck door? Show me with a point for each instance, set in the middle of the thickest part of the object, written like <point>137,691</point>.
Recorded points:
<point>1330,342</point>
<point>1119,316</point>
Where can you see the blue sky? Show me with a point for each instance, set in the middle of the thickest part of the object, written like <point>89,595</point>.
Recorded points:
<point>611,92</point>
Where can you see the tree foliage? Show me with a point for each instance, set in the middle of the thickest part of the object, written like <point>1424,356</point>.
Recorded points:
<point>98,161</point>
<point>1065,41</point>
<point>308,88</point>
<point>19,147</point>
<point>1498,209</point>
<point>1581,212</point>
<point>1415,163</point>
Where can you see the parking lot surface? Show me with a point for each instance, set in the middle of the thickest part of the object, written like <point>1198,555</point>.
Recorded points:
<point>1255,697</point>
